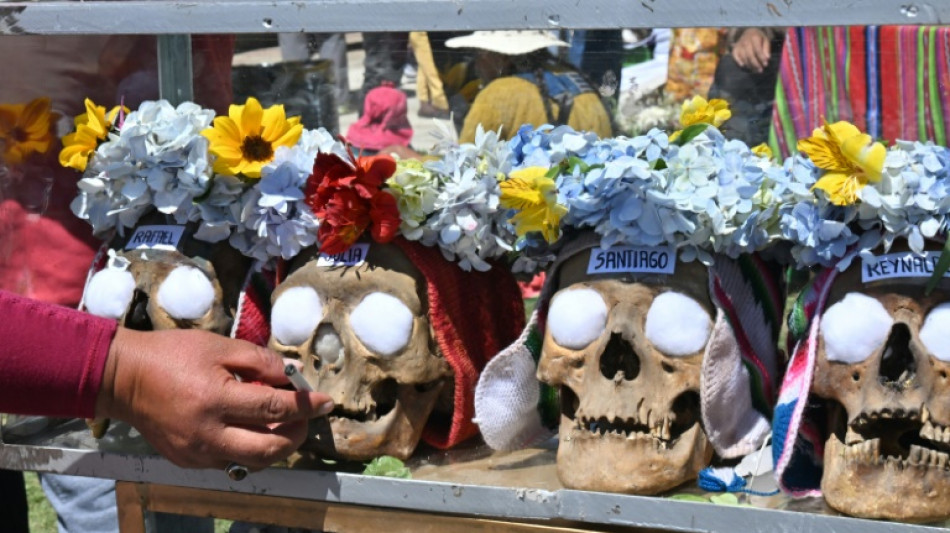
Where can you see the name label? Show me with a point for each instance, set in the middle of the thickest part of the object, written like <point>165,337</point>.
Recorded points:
<point>354,256</point>
<point>899,265</point>
<point>155,238</point>
<point>638,259</point>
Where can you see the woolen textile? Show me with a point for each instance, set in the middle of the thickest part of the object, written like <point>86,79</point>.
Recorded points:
<point>52,358</point>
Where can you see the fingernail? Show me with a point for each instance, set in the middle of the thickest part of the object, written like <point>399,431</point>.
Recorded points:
<point>325,409</point>
<point>295,362</point>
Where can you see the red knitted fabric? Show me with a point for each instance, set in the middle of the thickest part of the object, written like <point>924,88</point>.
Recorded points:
<point>252,320</point>
<point>474,316</point>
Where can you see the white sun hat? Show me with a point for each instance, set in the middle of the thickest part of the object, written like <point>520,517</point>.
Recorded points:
<point>508,42</point>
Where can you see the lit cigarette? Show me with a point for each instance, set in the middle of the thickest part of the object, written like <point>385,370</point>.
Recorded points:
<point>296,379</point>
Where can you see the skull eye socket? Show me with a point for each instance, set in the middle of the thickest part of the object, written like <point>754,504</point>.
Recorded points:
<point>295,315</point>
<point>110,293</point>
<point>854,328</point>
<point>934,332</point>
<point>382,323</point>
<point>677,325</point>
<point>577,317</point>
<point>186,293</point>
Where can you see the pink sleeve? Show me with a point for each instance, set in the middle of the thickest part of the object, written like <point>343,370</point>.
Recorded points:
<point>51,358</point>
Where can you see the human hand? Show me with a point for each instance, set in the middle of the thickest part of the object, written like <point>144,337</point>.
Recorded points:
<point>752,50</point>
<point>177,387</point>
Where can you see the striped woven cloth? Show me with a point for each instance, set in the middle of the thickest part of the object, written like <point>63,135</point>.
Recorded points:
<point>890,81</point>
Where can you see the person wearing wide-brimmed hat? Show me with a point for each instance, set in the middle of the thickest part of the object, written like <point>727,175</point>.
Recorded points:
<point>525,84</point>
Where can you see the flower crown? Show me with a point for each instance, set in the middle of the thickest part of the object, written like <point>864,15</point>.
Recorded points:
<point>271,187</point>
<point>861,196</point>
<point>698,193</point>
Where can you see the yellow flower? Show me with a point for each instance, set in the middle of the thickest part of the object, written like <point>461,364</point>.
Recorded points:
<point>92,127</point>
<point>849,158</point>
<point>698,111</point>
<point>25,129</point>
<point>246,139</point>
<point>762,150</point>
<point>534,196</point>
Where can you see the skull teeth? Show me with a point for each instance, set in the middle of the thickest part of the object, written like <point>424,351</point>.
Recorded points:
<point>659,429</point>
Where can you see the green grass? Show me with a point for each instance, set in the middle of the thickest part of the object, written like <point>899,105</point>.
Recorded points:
<point>43,517</point>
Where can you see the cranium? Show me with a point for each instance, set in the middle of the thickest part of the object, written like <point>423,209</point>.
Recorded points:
<point>188,285</point>
<point>364,337</point>
<point>630,413</point>
<point>883,365</point>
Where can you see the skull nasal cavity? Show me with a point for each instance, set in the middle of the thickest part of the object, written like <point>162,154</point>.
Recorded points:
<point>897,362</point>
<point>619,356</point>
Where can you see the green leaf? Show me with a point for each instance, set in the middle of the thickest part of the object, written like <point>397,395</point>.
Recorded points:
<point>943,263</point>
<point>387,466</point>
<point>724,499</point>
<point>690,133</point>
<point>659,164</point>
<point>689,498</point>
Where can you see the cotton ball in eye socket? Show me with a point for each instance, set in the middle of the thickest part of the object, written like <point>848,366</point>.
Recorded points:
<point>854,328</point>
<point>934,332</point>
<point>677,325</point>
<point>382,322</point>
<point>295,315</point>
<point>577,317</point>
<point>110,292</point>
<point>186,293</point>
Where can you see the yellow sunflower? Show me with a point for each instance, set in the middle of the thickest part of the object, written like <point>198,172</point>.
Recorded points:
<point>246,139</point>
<point>849,158</point>
<point>534,196</point>
<point>92,127</point>
<point>25,129</point>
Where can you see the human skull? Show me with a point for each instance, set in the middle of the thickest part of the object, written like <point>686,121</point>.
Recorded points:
<point>183,284</point>
<point>883,365</point>
<point>364,337</point>
<point>625,352</point>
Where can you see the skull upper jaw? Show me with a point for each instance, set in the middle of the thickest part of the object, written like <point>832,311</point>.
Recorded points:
<point>633,463</point>
<point>395,433</point>
<point>874,488</point>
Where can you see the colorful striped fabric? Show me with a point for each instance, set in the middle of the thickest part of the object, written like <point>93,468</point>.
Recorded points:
<point>890,81</point>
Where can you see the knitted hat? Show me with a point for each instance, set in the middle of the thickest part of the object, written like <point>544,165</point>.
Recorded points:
<point>797,440</point>
<point>385,120</point>
<point>740,367</point>
<point>473,316</point>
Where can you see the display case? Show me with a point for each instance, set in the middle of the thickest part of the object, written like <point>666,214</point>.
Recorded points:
<point>470,487</point>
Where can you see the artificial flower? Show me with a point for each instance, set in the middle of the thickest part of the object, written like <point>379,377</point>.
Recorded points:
<point>762,150</point>
<point>698,111</point>
<point>346,197</point>
<point>849,158</point>
<point>25,129</point>
<point>534,195</point>
<point>246,139</point>
<point>92,127</point>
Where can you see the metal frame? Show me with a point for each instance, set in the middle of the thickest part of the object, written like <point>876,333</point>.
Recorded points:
<point>257,16</point>
<point>525,504</point>
<point>174,19</point>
